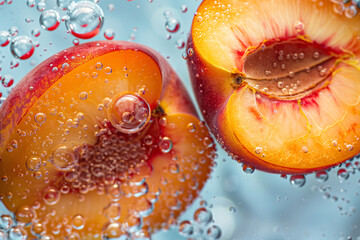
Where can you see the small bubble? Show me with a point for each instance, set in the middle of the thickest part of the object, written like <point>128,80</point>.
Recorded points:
<point>6,222</point>
<point>35,32</point>
<point>40,118</point>
<point>322,176</point>
<point>13,31</point>
<point>316,55</point>
<point>24,215</point>
<point>172,25</point>
<point>76,42</point>
<point>248,169</point>
<point>214,232</point>
<point>51,196</point>
<point>165,145</point>
<point>183,8</point>
<point>4,38</point>
<point>343,174</point>
<point>297,180</point>
<point>98,66</point>
<point>7,81</point>
<point>108,70</point>
<point>17,233</point>
<point>351,11</point>
<point>109,34</point>
<point>180,44</point>
<point>191,127</point>
<point>83,95</point>
<point>203,216</point>
<point>299,26</point>
<point>186,228</point>
<point>31,3</point>
<point>22,47</point>
<point>112,211</point>
<point>49,20</point>
<point>41,6</point>
<point>33,163</point>
<point>64,4</point>
<point>78,222</point>
<point>114,230</point>
<point>64,158</point>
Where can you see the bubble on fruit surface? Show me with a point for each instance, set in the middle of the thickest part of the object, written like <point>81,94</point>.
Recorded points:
<point>249,169</point>
<point>6,222</point>
<point>4,38</point>
<point>299,26</point>
<point>17,233</point>
<point>186,228</point>
<point>84,19</point>
<point>49,19</point>
<point>64,158</point>
<point>165,145</point>
<point>24,215</point>
<point>114,230</point>
<point>203,216</point>
<point>78,222</point>
<point>22,47</point>
<point>7,80</point>
<point>64,4</point>
<point>51,196</point>
<point>129,113</point>
<point>322,176</point>
<point>343,174</point>
<point>109,34</point>
<point>298,180</point>
<point>40,118</point>
<point>112,211</point>
<point>33,163</point>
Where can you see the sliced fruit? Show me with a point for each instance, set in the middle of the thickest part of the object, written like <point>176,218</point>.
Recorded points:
<point>98,146</point>
<point>278,81</point>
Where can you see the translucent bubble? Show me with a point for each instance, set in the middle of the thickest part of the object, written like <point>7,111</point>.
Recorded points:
<point>114,230</point>
<point>30,3</point>
<point>351,11</point>
<point>22,47</point>
<point>141,235</point>
<point>4,38</point>
<point>129,113</point>
<point>64,4</point>
<point>165,145</point>
<point>112,211</point>
<point>183,8</point>
<point>33,163</point>
<point>297,180</point>
<point>6,222</point>
<point>214,232</point>
<point>3,235</point>
<point>40,118</point>
<point>203,216</point>
<point>322,176</point>
<point>343,174</point>
<point>83,95</point>
<point>172,25</point>
<point>133,223</point>
<point>299,26</point>
<point>24,215</point>
<point>13,31</point>
<point>41,6</point>
<point>17,233</point>
<point>49,19</point>
<point>51,196</point>
<point>248,169</point>
<point>78,222</point>
<point>64,158</point>
<point>186,228</point>
<point>35,32</point>
<point>85,19</point>
<point>109,34</point>
<point>180,43</point>
<point>7,80</point>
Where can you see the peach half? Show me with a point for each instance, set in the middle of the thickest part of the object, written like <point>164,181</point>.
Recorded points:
<point>278,81</point>
<point>101,141</point>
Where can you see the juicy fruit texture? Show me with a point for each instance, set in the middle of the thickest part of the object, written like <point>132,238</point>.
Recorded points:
<point>278,81</point>
<point>101,141</point>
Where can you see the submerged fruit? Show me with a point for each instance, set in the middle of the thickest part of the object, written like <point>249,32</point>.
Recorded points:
<point>95,144</point>
<point>278,81</point>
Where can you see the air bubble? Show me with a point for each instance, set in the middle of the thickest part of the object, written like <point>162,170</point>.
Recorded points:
<point>85,19</point>
<point>343,174</point>
<point>172,25</point>
<point>24,215</point>
<point>64,158</point>
<point>114,230</point>
<point>33,163</point>
<point>35,32</point>
<point>183,8</point>
<point>49,20</point>
<point>41,6</point>
<point>129,113</point>
<point>112,211</point>
<point>78,222</point>
<point>64,4</point>
<point>17,233</point>
<point>298,180</point>
<point>22,47</point>
<point>351,11</point>
<point>248,169</point>
<point>214,232</point>
<point>109,34</point>
<point>322,176</point>
<point>6,222</point>
<point>299,26</point>
<point>4,38</point>
<point>83,95</point>
<point>186,228</point>
<point>165,145</point>
<point>40,118</point>
<point>203,216</point>
<point>30,3</point>
<point>108,70</point>
<point>7,81</point>
<point>51,196</point>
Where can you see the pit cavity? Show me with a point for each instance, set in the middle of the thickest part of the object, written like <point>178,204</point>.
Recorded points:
<point>287,69</point>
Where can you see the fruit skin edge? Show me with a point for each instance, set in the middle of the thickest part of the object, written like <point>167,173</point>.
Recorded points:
<point>37,81</point>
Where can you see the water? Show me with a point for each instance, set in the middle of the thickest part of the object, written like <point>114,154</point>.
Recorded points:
<point>267,206</point>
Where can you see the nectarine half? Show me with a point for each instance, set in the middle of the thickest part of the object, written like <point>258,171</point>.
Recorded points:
<point>101,141</point>
<point>278,81</point>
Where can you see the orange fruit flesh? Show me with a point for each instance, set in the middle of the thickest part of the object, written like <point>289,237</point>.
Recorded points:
<point>72,114</point>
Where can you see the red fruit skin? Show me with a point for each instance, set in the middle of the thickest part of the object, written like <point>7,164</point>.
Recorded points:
<point>212,95</point>
<point>42,77</point>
